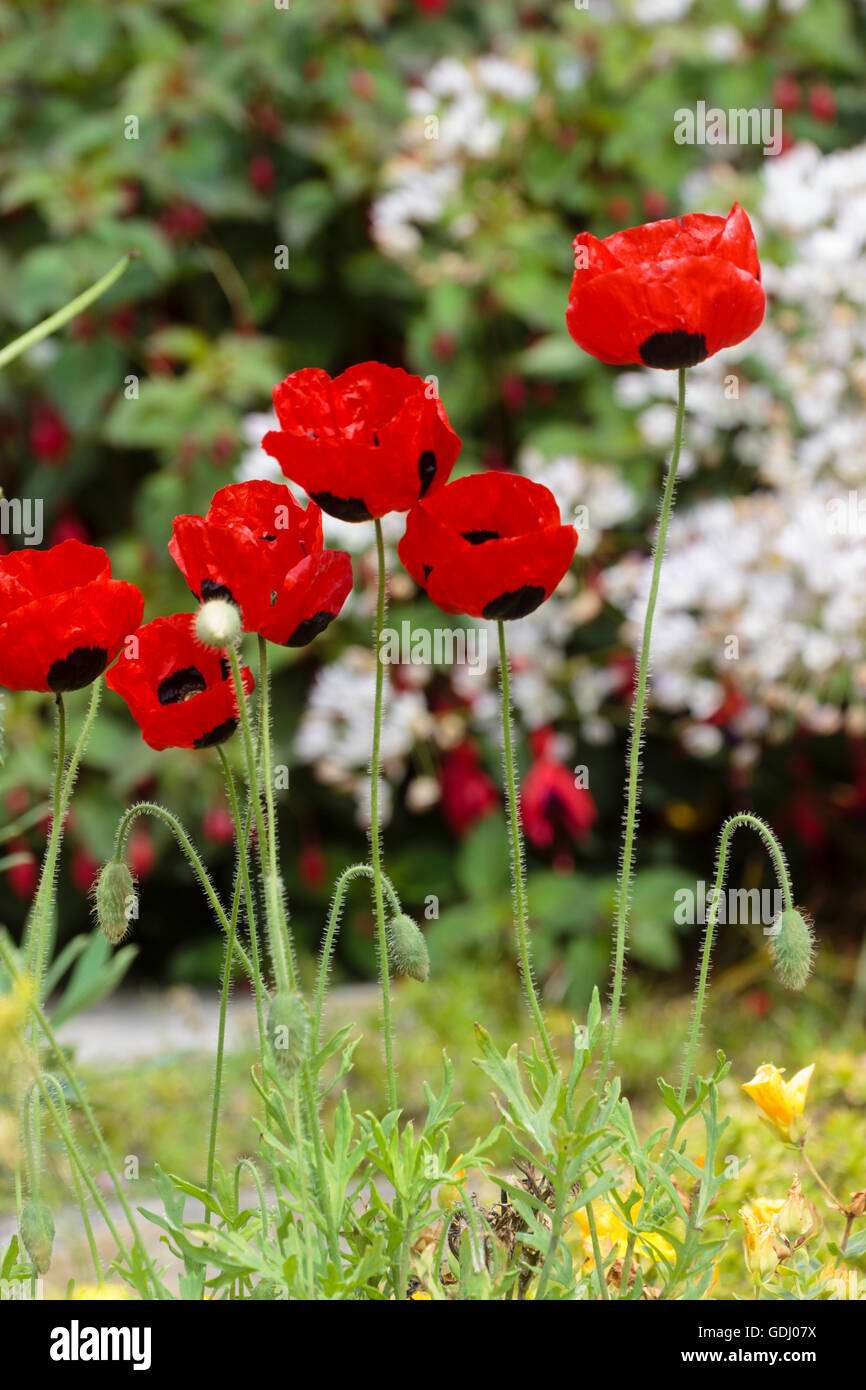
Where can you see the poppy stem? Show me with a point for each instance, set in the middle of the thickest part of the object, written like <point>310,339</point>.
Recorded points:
<point>281,956</point>
<point>775,851</point>
<point>346,877</point>
<point>33,941</point>
<point>375,834</point>
<point>517,866</point>
<point>242,840</point>
<point>638,721</point>
<point>241,880</point>
<point>69,311</point>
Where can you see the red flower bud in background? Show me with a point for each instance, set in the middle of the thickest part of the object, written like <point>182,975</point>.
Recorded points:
<point>49,435</point>
<point>312,865</point>
<point>24,876</point>
<point>261,174</point>
<point>822,102</point>
<point>467,791</point>
<point>786,93</point>
<point>140,852</point>
<point>218,825</point>
<point>84,869</point>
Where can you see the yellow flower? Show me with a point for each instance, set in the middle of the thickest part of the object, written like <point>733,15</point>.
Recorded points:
<point>100,1293</point>
<point>419,1296</point>
<point>613,1233</point>
<point>760,1249</point>
<point>781,1101</point>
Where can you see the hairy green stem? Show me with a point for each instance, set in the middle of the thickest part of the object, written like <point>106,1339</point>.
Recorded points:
<point>152,808</point>
<point>352,872</point>
<point>638,721</point>
<point>34,939</point>
<point>281,956</point>
<point>375,834</point>
<point>521,915</point>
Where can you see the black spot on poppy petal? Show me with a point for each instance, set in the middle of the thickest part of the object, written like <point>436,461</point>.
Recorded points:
<point>675,349</point>
<point>479,537</point>
<point>180,685</point>
<point>428,570</point>
<point>211,589</point>
<point>217,735</point>
<point>343,508</point>
<point>426,470</point>
<point>310,628</point>
<point>516,603</point>
<point>76,670</point>
<point>225,667</point>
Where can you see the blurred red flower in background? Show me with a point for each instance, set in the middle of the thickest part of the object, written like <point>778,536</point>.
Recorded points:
<point>553,807</point>
<point>467,791</point>
<point>49,435</point>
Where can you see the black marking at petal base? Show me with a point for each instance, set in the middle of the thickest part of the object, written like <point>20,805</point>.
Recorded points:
<point>310,628</point>
<point>428,570</point>
<point>225,667</point>
<point>78,668</point>
<point>516,603</point>
<point>180,685</point>
<point>675,349</point>
<point>211,589</point>
<point>479,537</point>
<point>343,508</point>
<point>217,735</point>
<point>426,470</point>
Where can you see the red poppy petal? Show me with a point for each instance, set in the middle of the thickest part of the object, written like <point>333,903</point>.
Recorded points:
<point>312,596</point>
<point>503,578</point>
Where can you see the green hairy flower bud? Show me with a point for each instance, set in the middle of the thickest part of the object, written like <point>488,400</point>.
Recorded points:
<point>36,1229</point>
<point>289,1028</point>
<point>407,948</point>
<point>792,945</point>
<point>115,900</point>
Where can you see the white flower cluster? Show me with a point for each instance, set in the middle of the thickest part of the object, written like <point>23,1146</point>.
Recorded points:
<point>453,121</point>
<point>764,594</point>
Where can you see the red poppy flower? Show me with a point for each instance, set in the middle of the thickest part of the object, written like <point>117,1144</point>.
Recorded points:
<point>552,806</point>
<point>491,545</point>
<point>371,441</point>
<point>467,791</point>
<point>179,692</point>
<point>667,294</point>
<point>62,617</point>
<point>260,548</point>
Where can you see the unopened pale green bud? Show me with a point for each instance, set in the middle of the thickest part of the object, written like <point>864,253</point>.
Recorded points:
<point>218,623</point>
<point>115,900</point>
<point>792,944</point>
<point>289,1029</point>
<point>36,1229</point>
<point>407,948</point>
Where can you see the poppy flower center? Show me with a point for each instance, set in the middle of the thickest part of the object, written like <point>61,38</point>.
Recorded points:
<point>76,670</point>
<point>479,537</point>
<point>211,588</point>
<point>674,349</point>
<point>181,686</point>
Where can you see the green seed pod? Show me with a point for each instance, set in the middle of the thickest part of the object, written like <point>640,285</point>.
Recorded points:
<point>37,1234</point>
<point>407,948</point>
<point>792,944</point>
<point>289,1028</point>
<point>116,900</point>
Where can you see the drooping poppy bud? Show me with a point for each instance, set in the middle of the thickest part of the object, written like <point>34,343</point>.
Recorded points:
<point>792,944</point>
<point>115,901</point>
<point>407,948</point>
<point>36,1229</point>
